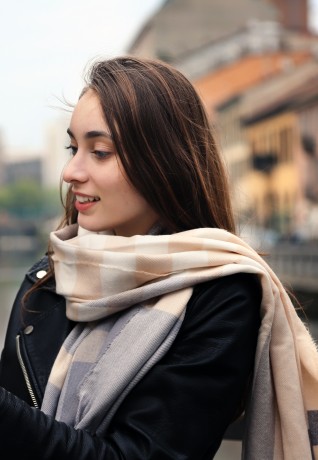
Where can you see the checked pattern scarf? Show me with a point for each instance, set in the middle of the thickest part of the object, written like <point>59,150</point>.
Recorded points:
<point>128,297</point>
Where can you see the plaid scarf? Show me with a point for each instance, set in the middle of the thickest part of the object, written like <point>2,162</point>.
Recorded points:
<point>128,297</point>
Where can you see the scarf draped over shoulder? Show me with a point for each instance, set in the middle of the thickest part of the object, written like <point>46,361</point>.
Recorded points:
<point>128,297</point>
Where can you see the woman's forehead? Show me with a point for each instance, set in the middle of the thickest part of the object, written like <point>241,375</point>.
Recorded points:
<point>88,115</point>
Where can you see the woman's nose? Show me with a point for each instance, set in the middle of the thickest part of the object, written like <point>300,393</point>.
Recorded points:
<point>75,170</point>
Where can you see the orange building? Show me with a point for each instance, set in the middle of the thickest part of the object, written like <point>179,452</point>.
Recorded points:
<point>278,187</point>
<point>252,89</point>
<point>224,83</point>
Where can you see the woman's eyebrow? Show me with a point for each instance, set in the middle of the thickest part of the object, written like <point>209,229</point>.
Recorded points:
<point>69,132</point>
<point>91,134</point>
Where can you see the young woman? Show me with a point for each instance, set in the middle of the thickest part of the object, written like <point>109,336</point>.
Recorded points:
<point>149,324</point>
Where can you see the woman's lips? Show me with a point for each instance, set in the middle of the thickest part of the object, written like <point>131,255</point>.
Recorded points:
<point>84,206</point>
<point>85,202</point>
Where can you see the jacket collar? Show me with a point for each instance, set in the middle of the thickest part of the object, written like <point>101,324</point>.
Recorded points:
<point>38,270</point>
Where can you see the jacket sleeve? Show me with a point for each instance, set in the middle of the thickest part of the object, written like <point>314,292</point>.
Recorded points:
<point>181,408</point>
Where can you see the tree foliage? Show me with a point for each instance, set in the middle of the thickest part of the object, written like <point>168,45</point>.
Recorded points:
<point>28,200</point>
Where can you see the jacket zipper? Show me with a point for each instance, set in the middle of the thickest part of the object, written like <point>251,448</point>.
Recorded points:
<point>25,373</point>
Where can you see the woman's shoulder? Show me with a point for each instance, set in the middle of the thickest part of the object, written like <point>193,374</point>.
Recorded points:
<point>31,301</point>
<point>239,284</point>
<point>39,269</point>
<point>235,297</point>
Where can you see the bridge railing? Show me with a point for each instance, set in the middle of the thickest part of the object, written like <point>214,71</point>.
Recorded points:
<point>295,264</point>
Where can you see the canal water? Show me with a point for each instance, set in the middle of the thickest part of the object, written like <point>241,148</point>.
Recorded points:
<point>10,281</point>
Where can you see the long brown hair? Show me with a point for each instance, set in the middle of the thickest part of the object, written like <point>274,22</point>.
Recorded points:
<point>165,143</point>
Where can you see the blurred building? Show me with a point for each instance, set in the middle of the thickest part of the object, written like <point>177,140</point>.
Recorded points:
<point>183,27</point>
<point>254,66</point>
<point>23,169</point>
<point>269,140</point>
<point>1,160</point>
<point>55,156</point>
<point>44,167</point>
<point>293,14</point>
<point>260,133</point>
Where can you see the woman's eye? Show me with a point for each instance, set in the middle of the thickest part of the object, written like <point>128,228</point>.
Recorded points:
<point>100,154</point>
<point>72,149</point>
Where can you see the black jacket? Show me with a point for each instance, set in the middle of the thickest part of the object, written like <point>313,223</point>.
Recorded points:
<point>178,411</point>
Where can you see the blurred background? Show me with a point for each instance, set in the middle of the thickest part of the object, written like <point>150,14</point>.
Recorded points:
<point>255,66</point>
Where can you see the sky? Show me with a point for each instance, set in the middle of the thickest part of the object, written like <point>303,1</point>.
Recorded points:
<point>44,49</point>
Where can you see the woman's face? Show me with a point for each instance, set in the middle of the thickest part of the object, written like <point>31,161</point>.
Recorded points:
<point>105,199</point>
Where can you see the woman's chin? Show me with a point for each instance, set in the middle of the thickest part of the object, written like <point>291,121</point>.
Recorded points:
<point>93,227</point>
